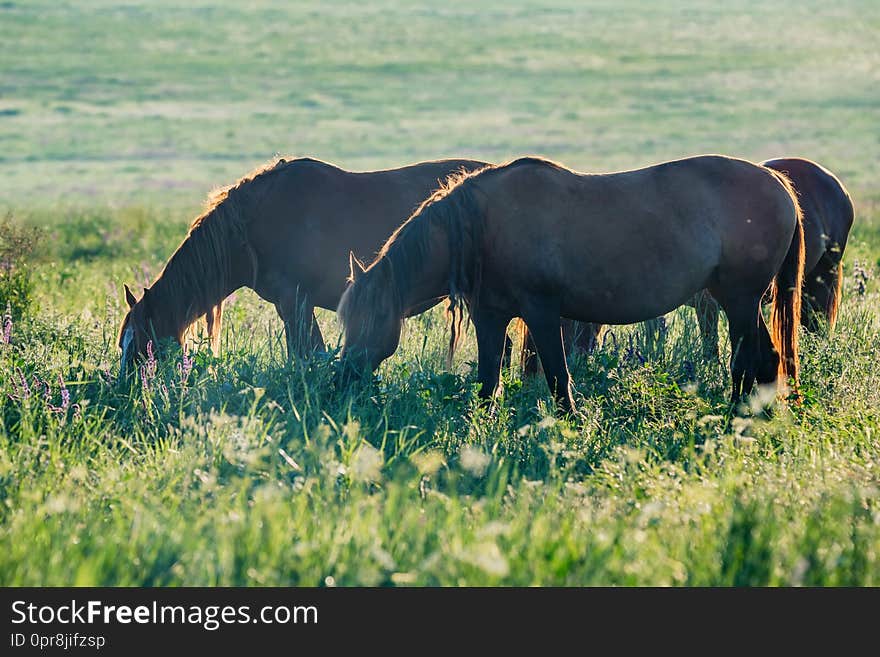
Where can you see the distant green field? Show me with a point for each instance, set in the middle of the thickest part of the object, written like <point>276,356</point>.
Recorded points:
<point>117,119</point>
<point>146,100</point>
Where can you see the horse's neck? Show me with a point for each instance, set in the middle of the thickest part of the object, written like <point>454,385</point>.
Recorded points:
<point>173,311</point>
<point>181,295</point>
<point>423,278</point>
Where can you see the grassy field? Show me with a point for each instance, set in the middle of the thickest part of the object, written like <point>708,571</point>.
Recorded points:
<point>116,119</point>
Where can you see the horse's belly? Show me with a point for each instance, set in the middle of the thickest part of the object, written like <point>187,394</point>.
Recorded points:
<point>631,303</point>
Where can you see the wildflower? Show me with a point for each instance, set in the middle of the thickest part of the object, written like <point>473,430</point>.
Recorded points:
<point>145,273</point>
<point>65,395</point>
<point>38,385</point>
<point>184,367</point>
<point>24,385</point>
<point>148,369</point>
<point>47,395</point>
<point>106,375</point>
<point>366,464</point>
<point>474,460</point>
<point>633,353</point>
<point>862,273</point>
<point>7,326</point>
<point>23,391</point>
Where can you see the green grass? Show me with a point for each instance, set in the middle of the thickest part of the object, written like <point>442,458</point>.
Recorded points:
<point>115,121</point>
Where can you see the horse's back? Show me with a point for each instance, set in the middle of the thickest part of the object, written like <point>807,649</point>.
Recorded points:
<point>310,214</point>
<point>826,203</point>
<point>703,187</point>
<point>641,241</point>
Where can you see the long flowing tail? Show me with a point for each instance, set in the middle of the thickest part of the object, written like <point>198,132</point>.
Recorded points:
<point>833,303</point>
<point>528,359</point>
<point>786,293</point>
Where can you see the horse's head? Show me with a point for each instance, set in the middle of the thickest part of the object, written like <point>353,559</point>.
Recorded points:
<point>371,316</point>
<point>138,329</point>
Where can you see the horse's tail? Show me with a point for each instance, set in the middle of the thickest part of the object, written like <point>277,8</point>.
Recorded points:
<point>786,295</point>
<point>522,330</point>
<point>832,304</point>
<point>214,320</point>
<point>528,359</point>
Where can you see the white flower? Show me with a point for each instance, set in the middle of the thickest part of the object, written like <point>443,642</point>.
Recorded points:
<point>366,464</point>
<point>474,460</point>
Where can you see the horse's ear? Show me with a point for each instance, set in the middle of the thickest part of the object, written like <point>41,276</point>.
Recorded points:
<point>129,297</point>
<point>356,266</point>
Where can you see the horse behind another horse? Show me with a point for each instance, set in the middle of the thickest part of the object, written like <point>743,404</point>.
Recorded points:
<point>827,219</point>
<point>535,240</point>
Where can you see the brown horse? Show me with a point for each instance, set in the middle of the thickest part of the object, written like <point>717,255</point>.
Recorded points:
<point>535,240</point>
<point>285,231</point>
<point>827,217</point>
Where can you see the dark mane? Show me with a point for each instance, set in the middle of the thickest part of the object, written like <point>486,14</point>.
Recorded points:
<point>198,275</point>
<point>455,208</point>
<point>452,206</point>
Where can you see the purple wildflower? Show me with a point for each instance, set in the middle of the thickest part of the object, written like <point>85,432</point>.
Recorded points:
<point>184,367</point>
<point>22,390</point>
<point>105,374</point>
<point>65,395</point>
<point>44,385</point>
<point>24,384</point>
<point>148,369</point>
<point>633,354</point>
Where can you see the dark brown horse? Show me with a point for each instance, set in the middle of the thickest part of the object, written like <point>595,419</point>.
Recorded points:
<point>535,240</point>
<point>827,217</point>
<point>285,231</point>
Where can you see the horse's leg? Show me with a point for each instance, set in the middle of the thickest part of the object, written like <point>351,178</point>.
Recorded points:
<point>577,337</point>
<point>742,318</point>
<point>491,330</point>
<point>707,318</point>
<point>768,365</point>
<point>301,330</point>
<point>822,291</point>
<point>544,325</point>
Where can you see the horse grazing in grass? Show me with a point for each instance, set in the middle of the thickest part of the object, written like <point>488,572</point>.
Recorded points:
<point>285,231</point>
<point>535,240</point>
<point>828,215</point>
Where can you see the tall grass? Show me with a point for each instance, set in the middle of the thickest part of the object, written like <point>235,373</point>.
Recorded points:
<point>117,118</point>
<point>242,469</point>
